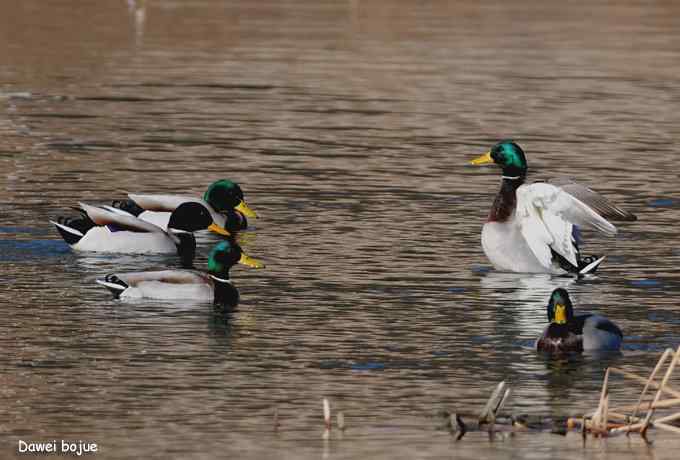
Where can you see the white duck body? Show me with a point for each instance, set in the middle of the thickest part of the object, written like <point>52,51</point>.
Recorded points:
<point>119,232</point>
<point>101,239</point>
<point>159,207</point>
<point>164,285</point>
<point>542,221</point>
<point>508,251</point>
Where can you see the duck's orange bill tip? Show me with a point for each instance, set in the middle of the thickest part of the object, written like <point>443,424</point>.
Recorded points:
<point>245,209</point>
<point>482,160</point>
<point>219,230</point>
<point>250,262</point>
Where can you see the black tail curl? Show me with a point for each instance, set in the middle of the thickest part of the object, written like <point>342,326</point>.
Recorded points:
<point>128,206</point>
<point>111,278</point>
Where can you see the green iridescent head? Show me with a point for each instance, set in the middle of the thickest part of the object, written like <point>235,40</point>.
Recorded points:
<point>509,156</point>
<point>225,255</point>
<point>560,309</point>
<point>224,195</point>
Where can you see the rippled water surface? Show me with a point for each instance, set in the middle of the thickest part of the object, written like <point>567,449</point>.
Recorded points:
<point>348,124</point>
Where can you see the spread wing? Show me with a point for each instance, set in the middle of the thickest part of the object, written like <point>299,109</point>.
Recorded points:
<point>122,221</point>
<point>594,200</point>
<point>546,215</point>
<point>162,203</point>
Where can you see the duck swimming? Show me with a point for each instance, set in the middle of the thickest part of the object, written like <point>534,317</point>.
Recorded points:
<point>223,198</point>
<point>211,286</point>
<point>108,230</point>
<point>575,333</point>
<point>533,228</point>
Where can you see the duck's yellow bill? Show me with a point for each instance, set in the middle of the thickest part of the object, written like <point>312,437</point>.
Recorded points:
<point>250,262</point>
<point>560,314</point>
<point>243,208</point>
<point>219,230</point>
<point>483,159</point>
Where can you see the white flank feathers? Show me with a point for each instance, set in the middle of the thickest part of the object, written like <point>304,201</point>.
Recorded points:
<point>546,215</point>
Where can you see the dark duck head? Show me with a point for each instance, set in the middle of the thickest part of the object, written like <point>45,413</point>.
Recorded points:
<point>225,195</point>
<point>563,334</point>
<point>510,158</point>
<point>188,218</point>
<point>223,256</point>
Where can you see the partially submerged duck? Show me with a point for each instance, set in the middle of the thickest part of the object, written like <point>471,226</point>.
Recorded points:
<point>211,286</point>
<point>575,333</point>
<point>223,198</point>
<point>532,228</point>
<point>107,230</point>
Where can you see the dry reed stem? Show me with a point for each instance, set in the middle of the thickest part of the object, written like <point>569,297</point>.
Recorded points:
<point>649,381</point>
<point>327,413</point>
<point>487,414</point>
<point>599,419</point>
<point>501,403</point>
<point>664,404</point>
<point>663,426</point>
<point>668,418</point>
<point>653,385</point>
<point>667,376</point>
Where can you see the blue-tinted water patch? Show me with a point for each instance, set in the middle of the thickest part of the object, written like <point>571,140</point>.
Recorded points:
<point>663,318</point>
<point>457,289</point>
<point>368,366</point>
<point>663,203</point>
<point>527,343</point>
<point>18,251</point>
<point>24,230</point>
<point>480,269</point>
<point>645,283</point>
<point>642,346</point>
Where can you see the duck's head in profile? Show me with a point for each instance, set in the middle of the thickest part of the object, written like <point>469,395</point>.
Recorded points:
<point>191,217</point>
<point>225,195</point>
<point>225,255</point>
<point>188,218</point>
<point>509,156</point>
<point>560,309</point>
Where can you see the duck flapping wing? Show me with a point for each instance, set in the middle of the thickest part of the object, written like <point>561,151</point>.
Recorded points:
<point>546,215</point>
<point>594,200</point>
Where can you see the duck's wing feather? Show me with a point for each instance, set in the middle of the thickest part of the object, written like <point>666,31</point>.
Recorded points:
<point>546,215</point>
<point>601,323</point>
<point>162,203</point>
<point>165,276</point>
<point>594,200</point>
<point>122,221</point>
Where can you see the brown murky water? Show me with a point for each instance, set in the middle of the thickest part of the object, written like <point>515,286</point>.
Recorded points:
<point>348,124</point>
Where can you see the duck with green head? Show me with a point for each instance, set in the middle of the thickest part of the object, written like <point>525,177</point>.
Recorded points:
<point>533,228</point>
<point>568,332</point>
<point>223,198</point>
<point>212,286</point>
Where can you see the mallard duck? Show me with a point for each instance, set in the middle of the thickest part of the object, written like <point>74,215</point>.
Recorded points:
<point>213,286</point>
<point>108,230</point>
<point>574,333</point>
<point>533,228</point>
<point>224,200</point>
